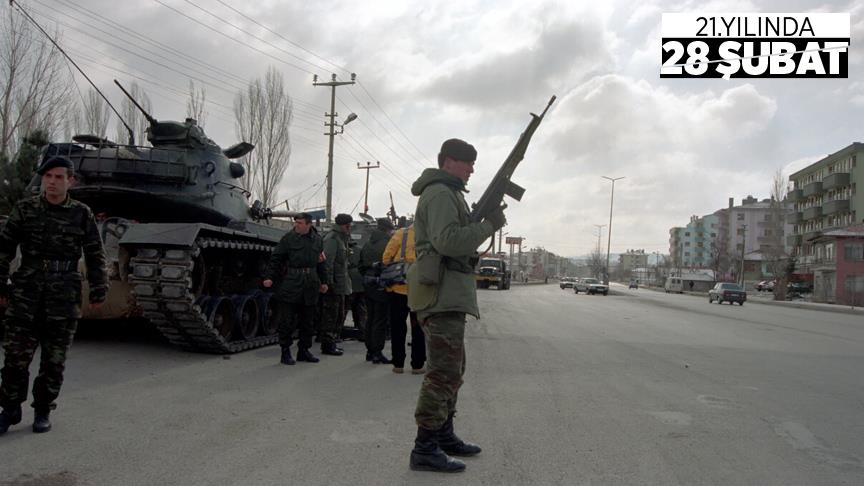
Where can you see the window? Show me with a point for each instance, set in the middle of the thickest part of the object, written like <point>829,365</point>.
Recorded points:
<point>713,235</point>
<point>854,283</point>
<point>854,252</point>
<point>829,252</point>
<point>686,243</point>
<point>687,234</point>
<point>740,232</point>
<point>768,217</point>
<point>740,216</point>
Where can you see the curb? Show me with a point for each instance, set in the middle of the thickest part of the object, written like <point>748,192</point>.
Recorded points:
<point>837,309</point>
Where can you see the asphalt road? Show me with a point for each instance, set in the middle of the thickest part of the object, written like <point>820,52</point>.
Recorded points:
<point>634,388</point>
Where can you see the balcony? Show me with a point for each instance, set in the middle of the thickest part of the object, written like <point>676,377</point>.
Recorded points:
<point>811,235</point>
<point>837,179</point>
<point>794,217</point>
<point>795,195</point>
<point>812,213</point>
<point>812,189</point>
<point>835,206</point>
<point>793,240</point>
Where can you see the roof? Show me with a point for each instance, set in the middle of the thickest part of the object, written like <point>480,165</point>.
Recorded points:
<point>854,147</point>
<point>849,231</point>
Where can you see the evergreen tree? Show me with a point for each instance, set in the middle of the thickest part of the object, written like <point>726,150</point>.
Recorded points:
<point>16,174</point>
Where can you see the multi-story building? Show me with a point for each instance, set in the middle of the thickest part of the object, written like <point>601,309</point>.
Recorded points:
<point>825,199</point>
<point>692,245</point>
<point>756,227</point>
<point>632,259</point>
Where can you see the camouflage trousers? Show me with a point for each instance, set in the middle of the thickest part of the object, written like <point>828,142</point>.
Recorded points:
<point>445,365</point>
<point>22,339</point>
<point>332,318</point>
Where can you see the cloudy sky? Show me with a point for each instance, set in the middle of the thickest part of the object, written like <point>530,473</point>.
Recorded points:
<point>474,69</point>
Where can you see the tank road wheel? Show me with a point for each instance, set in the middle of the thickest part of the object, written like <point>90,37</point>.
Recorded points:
<point>267,304</point>
<point>220,315</point>
<point>246,318</point>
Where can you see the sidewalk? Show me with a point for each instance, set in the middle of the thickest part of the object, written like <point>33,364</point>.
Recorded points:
<point>837,308</point>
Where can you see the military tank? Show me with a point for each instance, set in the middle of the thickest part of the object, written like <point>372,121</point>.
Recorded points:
<point>186,249</point>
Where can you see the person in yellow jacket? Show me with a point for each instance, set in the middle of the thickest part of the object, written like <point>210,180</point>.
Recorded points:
<point>400,248</point>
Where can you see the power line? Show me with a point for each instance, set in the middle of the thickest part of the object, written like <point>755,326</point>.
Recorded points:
<point>420,152</point>
<point>282,37</point>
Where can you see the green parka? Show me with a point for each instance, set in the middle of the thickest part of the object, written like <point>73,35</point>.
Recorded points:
<point>294,268</point>
<point>336,249</point>
<point>442,227</point>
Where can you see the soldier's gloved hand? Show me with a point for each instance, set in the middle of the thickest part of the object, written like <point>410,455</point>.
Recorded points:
<point>497,218</point>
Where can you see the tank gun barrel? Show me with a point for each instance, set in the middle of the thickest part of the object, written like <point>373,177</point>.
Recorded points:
<point>283,213</point>
<point>149,118</point>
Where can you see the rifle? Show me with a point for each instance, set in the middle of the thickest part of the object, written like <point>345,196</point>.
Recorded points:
<point>501,185</point>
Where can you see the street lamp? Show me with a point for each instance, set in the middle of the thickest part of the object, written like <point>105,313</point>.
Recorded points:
<point>609,238</point>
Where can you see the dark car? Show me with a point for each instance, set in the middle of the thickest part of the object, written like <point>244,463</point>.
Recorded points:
<point>633,285</point>
<point>727,292</point>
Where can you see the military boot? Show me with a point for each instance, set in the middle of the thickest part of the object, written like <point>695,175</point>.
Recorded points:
<point>286,357</point>
<point>427,456</point>
<point>331,350</point>
<point>305,355</point>
<point>8,418</point>
<point>452,444</point>
<point>379,358</point>
<point>41,424</point>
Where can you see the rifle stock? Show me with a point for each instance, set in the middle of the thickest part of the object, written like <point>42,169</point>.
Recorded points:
<point>501,185</point>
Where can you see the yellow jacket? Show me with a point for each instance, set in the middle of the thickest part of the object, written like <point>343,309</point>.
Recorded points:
<point>393,254</point>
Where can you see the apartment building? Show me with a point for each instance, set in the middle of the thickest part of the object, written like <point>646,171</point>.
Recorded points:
<point>631,259</point>
<point>825,198</point>
<point>691,246</point>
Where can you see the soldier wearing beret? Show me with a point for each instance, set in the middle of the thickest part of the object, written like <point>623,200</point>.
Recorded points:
<point>296,272</point>
<point>442,290</point>
<point>52,231</point>
<point>338,283</point>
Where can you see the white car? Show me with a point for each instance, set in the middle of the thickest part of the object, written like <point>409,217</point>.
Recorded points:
<point>590,286</point>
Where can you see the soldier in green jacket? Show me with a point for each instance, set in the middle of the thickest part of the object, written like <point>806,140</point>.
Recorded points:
<point>51,230</point>
<point>296,269</point>
<point>442,290</point>
<point>377,301</point>
<point>338,282</point>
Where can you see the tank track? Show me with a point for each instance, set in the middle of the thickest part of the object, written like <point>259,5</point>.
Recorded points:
<point>162,279</point>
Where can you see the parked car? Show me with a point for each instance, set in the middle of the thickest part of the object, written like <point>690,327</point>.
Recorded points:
<point>766,286</point>
<point>633,285</point>
<point>799,288</point>
<point>566,283</point>
<point>674,284</point>
<point>727,292</point>
<point>590,286</point>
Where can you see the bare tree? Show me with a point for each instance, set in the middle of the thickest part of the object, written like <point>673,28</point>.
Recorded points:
<point>774,250</point>
<point>263,115</point>
<point>195,104</point>
<point>94,115</point>
<point>35,84</point>
<point>133,115</point>
<point>597,263</point>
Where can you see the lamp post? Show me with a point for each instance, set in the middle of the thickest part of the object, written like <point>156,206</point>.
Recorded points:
<point>609,237</point>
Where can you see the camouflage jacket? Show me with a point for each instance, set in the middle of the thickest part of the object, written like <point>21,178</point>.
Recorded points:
<point>48,234</point>
<point>336,249</point>
<point>294,267</point>
<point>442,227</point>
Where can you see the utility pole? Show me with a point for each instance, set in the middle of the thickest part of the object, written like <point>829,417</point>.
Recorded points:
<point>367,167</point>
<point>599,234</point>
<point>332,115</point>
<point>609,238</point>
<point>743,249</point>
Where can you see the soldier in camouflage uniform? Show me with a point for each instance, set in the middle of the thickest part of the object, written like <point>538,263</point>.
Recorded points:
<point>441,289</point>
<point>338,282</point>
<point>44,300</point>
<point>297,269</point>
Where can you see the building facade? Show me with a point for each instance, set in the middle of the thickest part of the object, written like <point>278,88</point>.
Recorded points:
<point>825,199</point>
<point>631,259</point>
<point>692,245</point>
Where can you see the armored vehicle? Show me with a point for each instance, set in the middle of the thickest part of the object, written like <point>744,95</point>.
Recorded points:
<point>492,271</point>
<point>186,249</point>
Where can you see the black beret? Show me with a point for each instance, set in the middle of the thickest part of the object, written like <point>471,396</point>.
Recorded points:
<point>384,224</point>
<point>53,162</point>
<point>344,219</point>
<point>458,150</point>
<point>306,216</point>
